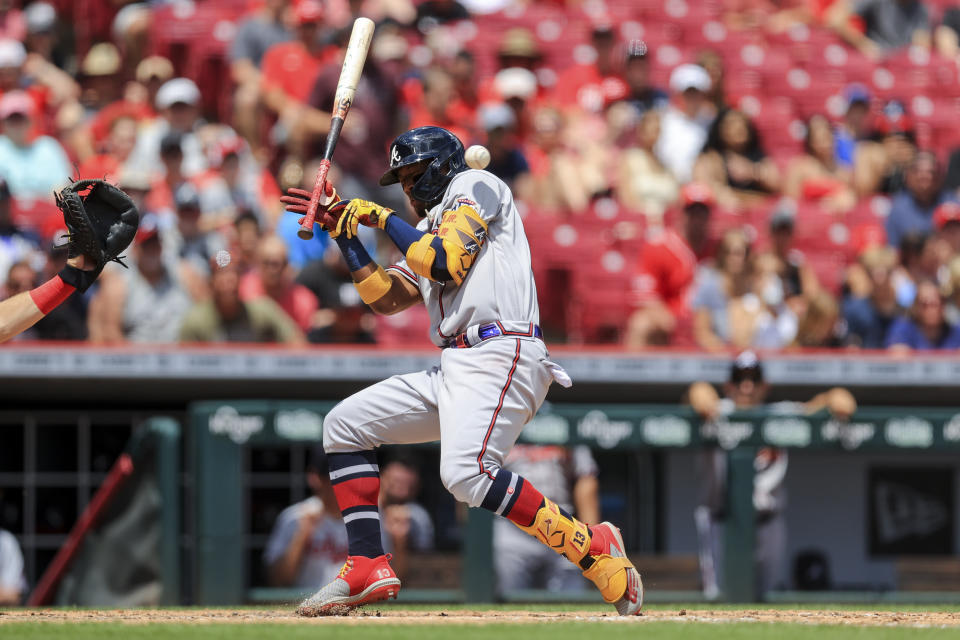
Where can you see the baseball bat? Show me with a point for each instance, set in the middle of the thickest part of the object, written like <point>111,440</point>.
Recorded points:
<point>353,61</point>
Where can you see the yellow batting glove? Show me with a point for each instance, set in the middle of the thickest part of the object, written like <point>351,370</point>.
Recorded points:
<point>370,214</point>
<point>347,224</point>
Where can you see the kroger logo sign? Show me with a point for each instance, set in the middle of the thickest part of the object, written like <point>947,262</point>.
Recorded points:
<point>608,433</point>
<point>666,431</point>
<point>228,421</point>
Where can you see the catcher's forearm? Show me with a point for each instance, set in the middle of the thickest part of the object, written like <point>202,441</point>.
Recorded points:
<point>22,311</point>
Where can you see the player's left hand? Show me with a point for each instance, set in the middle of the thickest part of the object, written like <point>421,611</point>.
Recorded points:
<point>298,200</point>
<point>357,212</point>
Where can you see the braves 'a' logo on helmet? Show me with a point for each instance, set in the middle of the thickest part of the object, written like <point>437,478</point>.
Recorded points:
<point>395,156</point>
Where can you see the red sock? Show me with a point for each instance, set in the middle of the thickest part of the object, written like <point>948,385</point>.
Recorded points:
<point>524,510</point>
<point>356,483</point>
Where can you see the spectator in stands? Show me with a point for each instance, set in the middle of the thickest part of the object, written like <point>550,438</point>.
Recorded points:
<point>643,183</point>
<point>433,12</point>
<point>685,123</point>
<point>131,27</point>
<point>558,183</point>
<point>12,581</point>
<point>191,238</point>
<point>151,74</point>
<point>241,182</point>
<point>570,474</point>
<point>668,263</point>
<point>137,103</point>
<point>178,102</point>
<point>463,72</point>
<point>308,542</point>
<point>300,253</point>
<point>100,74</point>
<point>137,186</point>
<point>19,278</point>
<point>45,61</point>
<point>225,317</point>
<point>245,241</point>
<point>288,73</point>
<point>716,95</point>
<point>272,277</point>
<point>717,287</point>
<point>817,175</point>
<point>951,292</point>
<point>798,279</point>
<point>912,208</point>
<point>438,93</point>
<point>946,36</point>
<point>820,326</point>
<point>881,164</point>
<point>888,25</point>
<point>641,94</point>
<point>925,326</point>
<point>374,120</point>
<point>406,525</point>
<point>148,301</point>
<point>761,318</point>
<point>854,128</point>
<point>734,163</point>
<point>255,35</point>
<point>593,86</point>
<point>507,161</point>
<point>115,150</point>
<point>946,224</point>
<point>914,265</point>
<point>518,49</point>
<point>21,155</point>
<point>517,88</point>
<point>13,23</point>
<point>746,389</point>
<point>16,244</point>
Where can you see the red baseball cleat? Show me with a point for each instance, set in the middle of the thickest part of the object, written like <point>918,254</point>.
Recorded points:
<point>361,581</point>
<point>613,573</point>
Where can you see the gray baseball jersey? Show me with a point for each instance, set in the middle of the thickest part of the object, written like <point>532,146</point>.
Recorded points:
<point>500,284</point>
<point>479,398</point>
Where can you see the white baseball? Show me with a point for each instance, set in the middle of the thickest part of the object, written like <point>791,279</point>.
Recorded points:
<point>477,157</point>
<point>223,258</point>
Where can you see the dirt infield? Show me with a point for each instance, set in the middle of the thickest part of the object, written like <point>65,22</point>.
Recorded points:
<point>440,616</point>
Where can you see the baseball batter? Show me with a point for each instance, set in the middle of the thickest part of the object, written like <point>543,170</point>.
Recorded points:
<point>468,261</point>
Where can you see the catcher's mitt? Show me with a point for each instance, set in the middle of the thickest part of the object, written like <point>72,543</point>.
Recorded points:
<point>101,222</point>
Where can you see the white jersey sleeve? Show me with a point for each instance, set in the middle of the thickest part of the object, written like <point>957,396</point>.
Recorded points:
<point>499,285</point>
<point>480,190</point>
<point>401,269</point>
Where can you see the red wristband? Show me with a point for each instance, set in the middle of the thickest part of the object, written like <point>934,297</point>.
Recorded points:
<point>50,294</point>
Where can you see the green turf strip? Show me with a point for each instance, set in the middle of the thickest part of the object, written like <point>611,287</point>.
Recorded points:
<point>553,631</point>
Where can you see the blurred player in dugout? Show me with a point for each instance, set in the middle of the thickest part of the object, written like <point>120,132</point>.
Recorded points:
<point>570,475</point>
<point>12,584</point>
<point>309,540</point>
<point>747,389</point>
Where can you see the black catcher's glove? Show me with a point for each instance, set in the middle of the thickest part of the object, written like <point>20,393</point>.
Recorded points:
<point>101,222</point>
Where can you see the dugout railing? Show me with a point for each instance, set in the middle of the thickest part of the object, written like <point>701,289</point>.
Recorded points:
<point>219,432</point>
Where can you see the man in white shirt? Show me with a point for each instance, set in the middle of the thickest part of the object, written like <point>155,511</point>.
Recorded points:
<point>308,541</point>
<point>12,584</point>
<point>684,127</point>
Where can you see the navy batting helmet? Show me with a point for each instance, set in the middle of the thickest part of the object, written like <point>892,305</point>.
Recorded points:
<point>444,151</point>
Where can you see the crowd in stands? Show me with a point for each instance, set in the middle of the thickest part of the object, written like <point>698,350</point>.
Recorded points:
<point>718,174</point>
